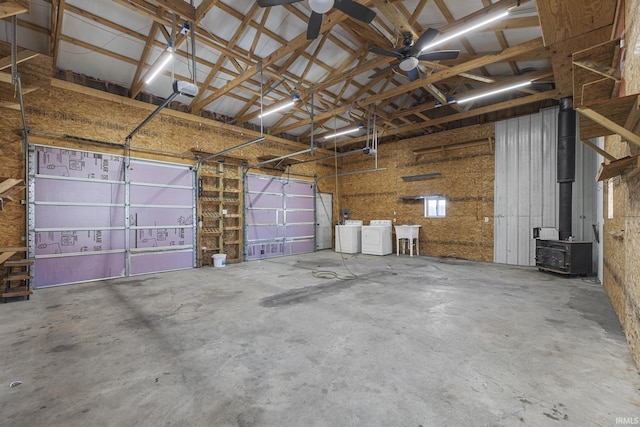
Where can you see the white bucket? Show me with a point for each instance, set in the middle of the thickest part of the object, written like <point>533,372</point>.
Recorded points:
<point>219,260</point>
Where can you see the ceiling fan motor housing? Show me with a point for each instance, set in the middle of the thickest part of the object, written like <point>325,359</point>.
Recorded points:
<point>321,6</point>
<point>407,39</point>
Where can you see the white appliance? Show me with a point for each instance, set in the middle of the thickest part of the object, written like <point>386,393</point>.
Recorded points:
<point>349,236</point>
<point>376,237</point>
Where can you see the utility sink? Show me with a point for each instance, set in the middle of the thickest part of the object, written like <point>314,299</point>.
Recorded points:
<point>410,233</point>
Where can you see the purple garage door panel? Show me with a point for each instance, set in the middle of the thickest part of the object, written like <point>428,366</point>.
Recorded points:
<point>258,185</point>
<point>300,202</point>
<point>300,247</point>
<point>259,217</point>
<point>48,216</point>
<point>145,195</point>
<point>264,250</point>
<point>300,216</point>
<point>67,242</point>
<point>299,188</point>
<point>265,201</point>
<point>160,174</point>
<point>264,232</point>
<point>53,190</point>
<point>160,237</point>
<point>163,261</point>
<point>78,164</point>
<point>54,271</point>
<point>92,171</point>
<point>304,230</point>
<point>149,217</point>
<point>266,241</point>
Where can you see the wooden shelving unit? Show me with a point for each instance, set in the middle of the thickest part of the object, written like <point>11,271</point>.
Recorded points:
<point>17,274</point>
<point>220,195</point>
<point>232,218</point>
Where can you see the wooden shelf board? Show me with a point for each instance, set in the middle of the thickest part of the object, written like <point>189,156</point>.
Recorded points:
<point>421,177</point>
<point>19,262</point>
<point>617,167</point>
<point>617,110</point>
<point>12,294</point>
<point>15,7</point>
<point>218,159</point>
<point>590,66</point>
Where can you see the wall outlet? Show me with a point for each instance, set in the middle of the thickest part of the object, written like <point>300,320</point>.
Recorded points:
<point>486,219</point>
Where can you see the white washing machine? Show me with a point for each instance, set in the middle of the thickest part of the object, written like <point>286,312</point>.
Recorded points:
<point>349,236</point>
<point>376,237</point>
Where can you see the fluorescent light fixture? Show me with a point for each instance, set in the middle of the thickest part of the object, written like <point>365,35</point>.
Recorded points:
<point>465,30</point>
<point>280,107</point>
<point>493,92</point>
<point>168,57</point>
<point>344,132</point>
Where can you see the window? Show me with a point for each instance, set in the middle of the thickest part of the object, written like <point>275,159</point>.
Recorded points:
<point>435,207</point>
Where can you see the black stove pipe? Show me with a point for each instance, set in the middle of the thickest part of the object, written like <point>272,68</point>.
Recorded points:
<point>566,168</point>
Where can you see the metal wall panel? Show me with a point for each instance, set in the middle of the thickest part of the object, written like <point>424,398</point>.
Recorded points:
<point>526,189</point>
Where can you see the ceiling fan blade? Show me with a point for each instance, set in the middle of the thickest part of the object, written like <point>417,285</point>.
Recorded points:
<point>413,74</point>
<point>267,3</point>
<point>355,10</point>
<point>383,70</point>
<point>315,22</point>
<point>385,52</point>
<point>424,39</point>
<point>439,55</point>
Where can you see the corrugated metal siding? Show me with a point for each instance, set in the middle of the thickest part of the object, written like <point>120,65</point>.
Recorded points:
<point>526,188</point>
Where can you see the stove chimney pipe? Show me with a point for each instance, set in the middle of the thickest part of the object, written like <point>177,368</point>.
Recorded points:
<point>566,168</point>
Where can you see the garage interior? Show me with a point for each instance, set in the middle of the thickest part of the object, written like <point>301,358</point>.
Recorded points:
<point>372,212</point>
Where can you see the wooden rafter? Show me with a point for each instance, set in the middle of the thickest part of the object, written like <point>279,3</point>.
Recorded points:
<point>343,91</point>
<point>232,41</point>
<point>456,70</point>
<point>57,12</point>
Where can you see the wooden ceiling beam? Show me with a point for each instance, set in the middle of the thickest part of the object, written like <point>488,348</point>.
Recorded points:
<point>400,22</point>
<point>180,7</point>
<point>204,8</point>
<point>137,83</point>
<point>541,96</point>
<point>456,70</point>
<point>57,13</point>
<point>232,41</point>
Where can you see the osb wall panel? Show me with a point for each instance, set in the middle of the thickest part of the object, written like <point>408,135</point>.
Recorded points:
<point>466,179</point>
<point>62,108</point>
<point>12,218</point>
<point>622,269</point>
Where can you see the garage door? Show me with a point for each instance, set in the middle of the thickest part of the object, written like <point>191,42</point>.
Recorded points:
<point>78,208</point>
<point>280,216</point>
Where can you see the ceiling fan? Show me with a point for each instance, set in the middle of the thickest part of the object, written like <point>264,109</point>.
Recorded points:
<point>409,54</point>
<point>320,7</point>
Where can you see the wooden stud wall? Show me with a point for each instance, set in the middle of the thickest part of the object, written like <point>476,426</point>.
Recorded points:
<point>621,234</point>
<point>467,178</point>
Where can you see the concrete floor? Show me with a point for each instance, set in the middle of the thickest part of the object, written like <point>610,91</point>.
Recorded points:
<point>410,342</point>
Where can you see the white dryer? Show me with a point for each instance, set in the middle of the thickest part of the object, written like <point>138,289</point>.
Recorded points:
<point>349,236</point>
<point>376,237</point>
